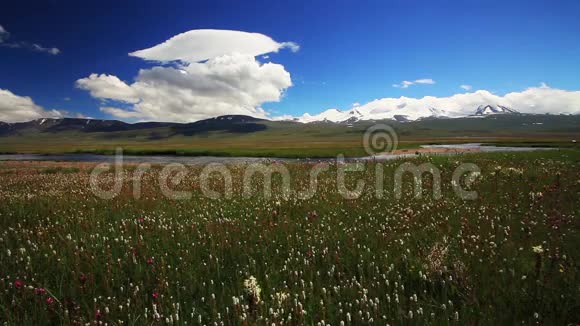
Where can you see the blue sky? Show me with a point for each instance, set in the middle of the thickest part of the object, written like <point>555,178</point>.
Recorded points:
<point>350,51</point>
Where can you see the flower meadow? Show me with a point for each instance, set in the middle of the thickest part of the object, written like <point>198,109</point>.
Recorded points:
<point>509,256</point>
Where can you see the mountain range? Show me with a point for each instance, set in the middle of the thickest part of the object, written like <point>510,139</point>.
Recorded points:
<point>228,123</point>
<point>402,112</point>
<point>238,135</point>
<point>237,124</point>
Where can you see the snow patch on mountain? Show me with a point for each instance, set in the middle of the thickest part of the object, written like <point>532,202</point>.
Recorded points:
<point>494,109</point>
<point>377,110</point>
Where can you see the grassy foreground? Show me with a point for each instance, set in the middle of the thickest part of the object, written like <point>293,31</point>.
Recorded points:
<point>509,257</point>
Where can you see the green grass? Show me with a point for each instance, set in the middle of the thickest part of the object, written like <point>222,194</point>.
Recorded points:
<point>69,257</point>
<point>532,143</point>
<point>284,139</point>
<point>59,169</point>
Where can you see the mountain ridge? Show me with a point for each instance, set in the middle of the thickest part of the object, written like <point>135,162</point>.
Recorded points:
<point>54,125</point>
<point>233,123</point>
<point>401,113</point>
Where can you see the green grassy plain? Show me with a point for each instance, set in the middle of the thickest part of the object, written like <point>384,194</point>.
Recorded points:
<point>286,139</point>
<point>508,257</point>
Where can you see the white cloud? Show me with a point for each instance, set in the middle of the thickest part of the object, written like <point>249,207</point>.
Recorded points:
<point>4,36</point>
<point>120,113</point>
<point>534,100</point>
<point>108,87</point>
<point>202,44</point>
<point>14,108</point>
<point>230,81</point>
<point>40,48</point>
<point>406,83</point>
<point>425,81</point>
<point>230,84</point>
<point>81,116</point>
<point>466,87</point>
<point>544,99</point>
<point>294,47</point>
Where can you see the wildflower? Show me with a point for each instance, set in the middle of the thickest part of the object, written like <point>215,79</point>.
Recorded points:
<point>18,284</point>
<point>538,249</point>
<point>252,288</point>
<point>98,315</point>
<point>536,195</point>
<point>49,301</point>
<point>155,296</point>
<point>515,171</point>
<point>436,258</point>
<point>40,291</point>
<point>281,297</point>
<point>252,291</point>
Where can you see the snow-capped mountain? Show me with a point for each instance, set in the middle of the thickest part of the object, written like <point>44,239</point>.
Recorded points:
<point>407,111</point>
<point>372,111</point>
<point>494,109</point>
<point>333,115</point>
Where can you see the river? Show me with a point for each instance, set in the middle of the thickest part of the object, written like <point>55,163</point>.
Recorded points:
<point>164,159</point>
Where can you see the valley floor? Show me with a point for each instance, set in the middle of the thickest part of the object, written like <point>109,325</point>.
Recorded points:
<point>350,146</point>
<point>165,251</point>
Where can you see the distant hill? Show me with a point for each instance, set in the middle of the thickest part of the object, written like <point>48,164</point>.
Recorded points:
<point>228,123</point>
<point>50,125</point>
<point>241,124</point>
<point>239,135</point>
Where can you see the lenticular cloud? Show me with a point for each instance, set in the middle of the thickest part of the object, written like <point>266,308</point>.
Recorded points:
<point>203,44</point>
